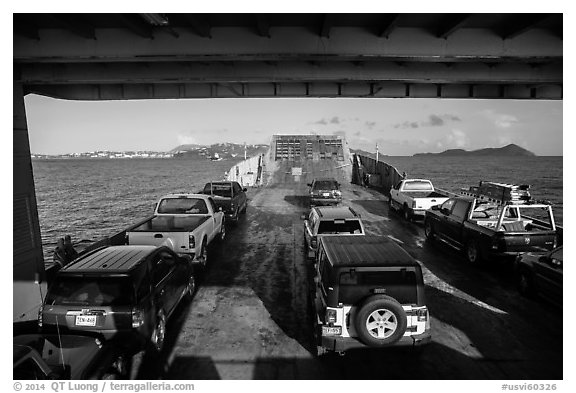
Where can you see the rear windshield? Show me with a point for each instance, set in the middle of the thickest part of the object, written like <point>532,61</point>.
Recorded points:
<point>340,226</point>
<point>182,206</point>
<point>325,185</point>
<point>399,284</point>
<point>223,190</point>
<point>86,291</point>
<point>417,186</point>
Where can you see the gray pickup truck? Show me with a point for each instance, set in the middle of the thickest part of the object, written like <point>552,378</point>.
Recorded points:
<point>486,230</point>
<point>230,196</point>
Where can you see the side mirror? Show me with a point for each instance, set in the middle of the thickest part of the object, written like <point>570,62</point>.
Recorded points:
<point>220,208</point>
<point>244,189</point>
<point>303,217</point>
<point>436,207</point>
<point>309,184</point>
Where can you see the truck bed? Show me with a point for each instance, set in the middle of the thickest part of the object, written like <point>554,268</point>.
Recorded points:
<point>170,224</point>
<point>424,194</point>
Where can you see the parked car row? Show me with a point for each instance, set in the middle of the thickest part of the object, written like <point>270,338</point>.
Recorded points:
<point>368,291</point>
<point>486,228</point>
<point>114,301</point>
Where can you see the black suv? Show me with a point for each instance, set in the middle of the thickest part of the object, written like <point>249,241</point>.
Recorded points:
<point>368,292</point>
<point>325,191</point>
<point>119,290</point>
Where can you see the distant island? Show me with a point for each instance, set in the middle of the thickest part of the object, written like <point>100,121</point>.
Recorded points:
<point>218,151</point>
<point>510,150</point>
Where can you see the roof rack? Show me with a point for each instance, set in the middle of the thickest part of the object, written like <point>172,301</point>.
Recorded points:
<point>500,193</point>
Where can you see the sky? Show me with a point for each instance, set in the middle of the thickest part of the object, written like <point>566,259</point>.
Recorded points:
<point>400,127</point>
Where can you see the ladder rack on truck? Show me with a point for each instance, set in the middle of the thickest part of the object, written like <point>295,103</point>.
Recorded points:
<point>499,193</point>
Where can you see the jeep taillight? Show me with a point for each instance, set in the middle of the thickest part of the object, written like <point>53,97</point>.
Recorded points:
<point>330,316</point>
<point>314,242</point>
<point>422,314</point>
<point>191,241</point>
<point>126,239</point>
<point>337,193</point>
<point>137,318</point>
<point>40,315</point>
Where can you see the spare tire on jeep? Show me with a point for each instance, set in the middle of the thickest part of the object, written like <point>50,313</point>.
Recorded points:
<point>380,321</point>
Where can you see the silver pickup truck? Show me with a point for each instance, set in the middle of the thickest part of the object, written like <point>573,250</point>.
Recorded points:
<point>412,197</point>
<point>187,223</point>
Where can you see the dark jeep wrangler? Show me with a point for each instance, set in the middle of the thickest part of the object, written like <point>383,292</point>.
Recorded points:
<point>368,292</point>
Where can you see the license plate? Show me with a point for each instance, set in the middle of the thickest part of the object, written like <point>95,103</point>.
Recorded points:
<point>331,330</point>
<point>86,320</point>
<point>326,194</point>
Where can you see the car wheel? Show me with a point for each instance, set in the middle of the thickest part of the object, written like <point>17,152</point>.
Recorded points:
<point>429,230</point>
<point>120,369</point>
<point>473,255</point>
<point>191,288</point>
<point>222,234</point>
<point>406,213</point>
<point>203,257</point>
<point>380,321</point>
<point>159,333</point>
<point>525,283</point>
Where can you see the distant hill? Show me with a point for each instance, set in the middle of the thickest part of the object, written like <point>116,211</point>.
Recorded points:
<point>510,150</point>
<point>225,151</point>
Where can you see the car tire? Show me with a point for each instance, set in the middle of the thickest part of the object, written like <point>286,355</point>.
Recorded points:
<point>473,253</point>
<point>380,321</point>
<point>158,335</point>
<point>429,230</point>
<point>525,283</point>
<point>190,288</point>
<point>203,257</point>
<point>222,234</point>
<point>406,213</point>
<point>120,369</point>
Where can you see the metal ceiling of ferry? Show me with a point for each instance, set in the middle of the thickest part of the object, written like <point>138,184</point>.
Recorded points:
<point>139,56</point>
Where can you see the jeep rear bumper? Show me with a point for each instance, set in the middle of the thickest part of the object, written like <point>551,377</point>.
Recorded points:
<point>342,344</point>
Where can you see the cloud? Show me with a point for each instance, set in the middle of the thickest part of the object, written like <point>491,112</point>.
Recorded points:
<point>407,125</point>
<point>335,120</point>
<point>501,120</point>
<point>433,121</point>
<point>370,124</point>
<point>186,140</point>
<point>357,133</point>
<point>321,121</point>
<point>457,138</point>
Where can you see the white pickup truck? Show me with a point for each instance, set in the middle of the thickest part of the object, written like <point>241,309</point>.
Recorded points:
<point>412,197</point>
<point>187,223</point>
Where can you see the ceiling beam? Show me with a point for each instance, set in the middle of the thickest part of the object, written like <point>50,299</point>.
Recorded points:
<point>199,25</point>
<point>75,24</point>
<point>23,27</point>
<point>519,24</point>
<point>326,25</point>
<point>137,25</point>
<point>262,25</point>
<point>388,24</point>
<point>450,24</point>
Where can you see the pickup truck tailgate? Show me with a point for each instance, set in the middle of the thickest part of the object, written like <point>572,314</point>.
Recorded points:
<point>527,241</point>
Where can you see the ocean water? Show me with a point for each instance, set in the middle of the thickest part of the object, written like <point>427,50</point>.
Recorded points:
<point>92,199</point>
